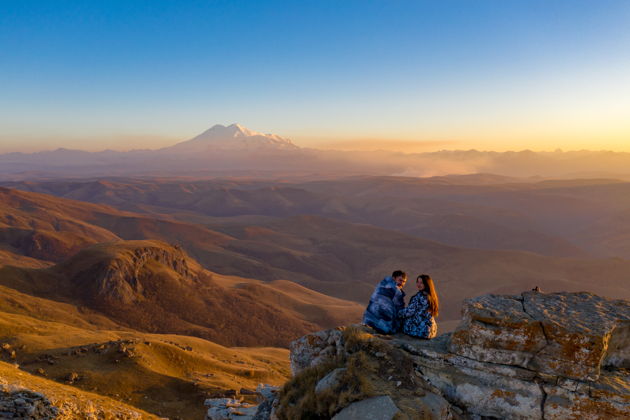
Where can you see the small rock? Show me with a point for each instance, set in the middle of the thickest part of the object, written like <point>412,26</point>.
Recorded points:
<point>376,408</point>
<point>267,392</point>
<point>72,377</point>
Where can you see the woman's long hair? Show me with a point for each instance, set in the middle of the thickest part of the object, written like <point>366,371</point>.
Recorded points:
<point>429,290</point>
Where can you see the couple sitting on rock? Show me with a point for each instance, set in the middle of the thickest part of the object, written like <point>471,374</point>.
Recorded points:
<point>387,314</point>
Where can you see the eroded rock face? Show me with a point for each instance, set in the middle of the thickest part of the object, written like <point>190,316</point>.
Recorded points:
<point>529,356</point>
<point>119,279</point>
<point>572,335</point>
<point>316,348</point>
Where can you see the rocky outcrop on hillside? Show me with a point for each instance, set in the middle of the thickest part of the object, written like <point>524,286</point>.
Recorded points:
<point>237,409</point>
<point>26,404</point>
<point>24,396</point>
<point>115,276</point>
<point>529,356</point>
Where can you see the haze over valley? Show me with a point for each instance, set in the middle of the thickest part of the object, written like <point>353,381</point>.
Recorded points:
<point>234,150</point>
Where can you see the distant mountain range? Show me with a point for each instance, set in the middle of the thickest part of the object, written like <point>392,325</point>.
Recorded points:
<point>236,150</point>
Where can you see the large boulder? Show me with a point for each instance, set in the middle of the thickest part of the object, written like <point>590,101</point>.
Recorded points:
<point>573,335</point>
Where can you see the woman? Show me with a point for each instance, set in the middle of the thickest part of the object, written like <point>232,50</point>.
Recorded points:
<point>419,316</point>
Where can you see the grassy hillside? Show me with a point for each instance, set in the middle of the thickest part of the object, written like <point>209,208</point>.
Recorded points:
<point>167,375</point>
<point>154,287</point>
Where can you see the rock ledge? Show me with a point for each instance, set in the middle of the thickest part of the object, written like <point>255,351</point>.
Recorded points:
<point>528,356</point>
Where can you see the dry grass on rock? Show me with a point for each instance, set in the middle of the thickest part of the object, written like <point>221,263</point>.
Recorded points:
<point>373,367</point>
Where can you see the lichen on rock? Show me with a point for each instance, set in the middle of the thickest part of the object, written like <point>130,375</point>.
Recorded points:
<point>528,356</point>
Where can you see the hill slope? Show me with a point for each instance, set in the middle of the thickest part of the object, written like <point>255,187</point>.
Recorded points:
<point>167,375</point>
<point>346,260</point>
<point>152,286</point>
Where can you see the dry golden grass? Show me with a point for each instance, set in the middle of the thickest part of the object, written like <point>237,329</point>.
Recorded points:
<point>168,292</point>
<point>74,403</point>
<point>374,367</point>
<point>40,309</point>
<point>169,375</point>
<point>297,301</point>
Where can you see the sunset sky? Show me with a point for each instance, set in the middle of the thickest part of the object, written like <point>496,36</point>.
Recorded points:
<point>390,74</point>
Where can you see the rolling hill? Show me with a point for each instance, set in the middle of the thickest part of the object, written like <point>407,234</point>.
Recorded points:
<point>115,370</point>
<point>154,287</point>
<point>345,260</point>
<point>551,218</point>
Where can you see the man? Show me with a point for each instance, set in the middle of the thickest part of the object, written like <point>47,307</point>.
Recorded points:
<point>387,299</point>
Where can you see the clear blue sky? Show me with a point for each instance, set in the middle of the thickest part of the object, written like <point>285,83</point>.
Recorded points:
<point>448,74</point>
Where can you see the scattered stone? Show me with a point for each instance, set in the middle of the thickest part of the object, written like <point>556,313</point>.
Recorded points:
<point>26,404</point>
<point>228,409</point>
<point>268,397</point>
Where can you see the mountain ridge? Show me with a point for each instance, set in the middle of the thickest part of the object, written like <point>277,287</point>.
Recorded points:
<point>234,149</point>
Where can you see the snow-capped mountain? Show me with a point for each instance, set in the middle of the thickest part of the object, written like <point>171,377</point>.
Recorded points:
<point>232,137</point>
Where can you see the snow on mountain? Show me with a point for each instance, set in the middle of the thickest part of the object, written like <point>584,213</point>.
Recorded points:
<point>232,137</point>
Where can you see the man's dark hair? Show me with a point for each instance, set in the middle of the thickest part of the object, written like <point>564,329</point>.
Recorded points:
<point>399,273</point>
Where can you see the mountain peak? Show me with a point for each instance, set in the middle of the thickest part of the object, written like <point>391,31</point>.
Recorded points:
<point>232,137</point>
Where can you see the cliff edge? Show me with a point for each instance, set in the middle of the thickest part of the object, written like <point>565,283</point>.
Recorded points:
<point>528,356</point>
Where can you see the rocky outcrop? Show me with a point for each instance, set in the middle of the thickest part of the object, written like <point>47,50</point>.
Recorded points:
<point>314,349</point>
<point>237,409</point>
<point>529,356</point>
<point>26,397</point>
<point>26,404</point>
<point>573,335</point>
<point>228,408</point>
<point>115,272</point>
